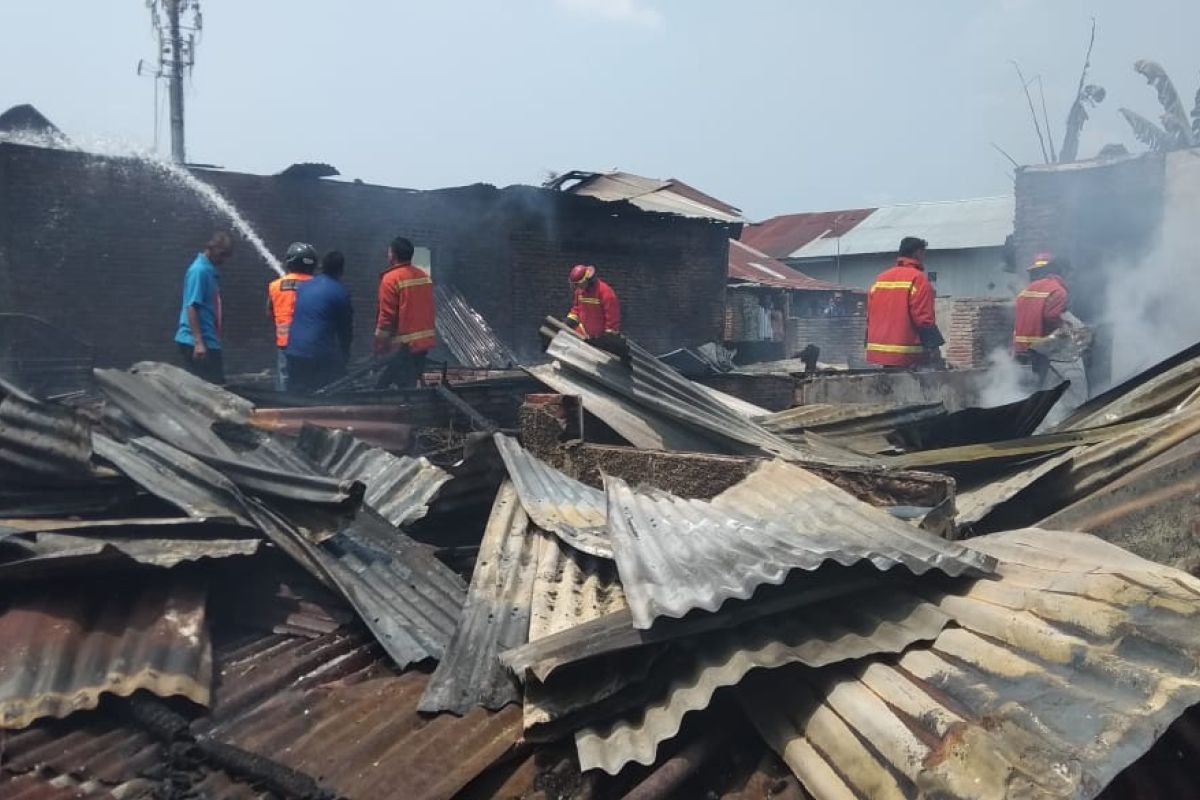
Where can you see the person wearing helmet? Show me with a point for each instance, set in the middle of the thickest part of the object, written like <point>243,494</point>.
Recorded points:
<point>301,263</point>
<point>596,309</point>
<point>1039,310</point>
<point>405,325</point>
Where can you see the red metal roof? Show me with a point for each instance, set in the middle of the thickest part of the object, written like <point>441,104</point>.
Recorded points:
<point>752,266</point>
<point>781,236</point>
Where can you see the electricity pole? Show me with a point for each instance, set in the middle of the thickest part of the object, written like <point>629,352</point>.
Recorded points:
<point>176,53</point>
<point>176,77</point>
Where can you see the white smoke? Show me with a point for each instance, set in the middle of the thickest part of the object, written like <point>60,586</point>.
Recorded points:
<point>1005,381</point>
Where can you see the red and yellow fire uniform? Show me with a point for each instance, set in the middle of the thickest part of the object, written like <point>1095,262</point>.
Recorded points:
<point>596,310</point>
<point>406,311</point>
<point>899,304</point>
<point>1039,311</point>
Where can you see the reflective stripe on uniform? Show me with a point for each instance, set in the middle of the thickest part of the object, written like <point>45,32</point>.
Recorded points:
<point>405,338</point>
<point>1029,339</point>
<point>895,348</point>
<point>412,282</point>
<point>595,301</point>
<point>906,285</point>
<point>1037,295</point>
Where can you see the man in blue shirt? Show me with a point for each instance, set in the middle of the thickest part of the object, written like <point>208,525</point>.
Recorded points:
<point>199,331</point>
<point>322,328</point>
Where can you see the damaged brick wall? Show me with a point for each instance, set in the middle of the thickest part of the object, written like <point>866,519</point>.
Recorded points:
<point>977,327</point>
<point>98,246</point>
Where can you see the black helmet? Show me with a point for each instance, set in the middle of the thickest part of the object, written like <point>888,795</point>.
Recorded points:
<point>301,255</point>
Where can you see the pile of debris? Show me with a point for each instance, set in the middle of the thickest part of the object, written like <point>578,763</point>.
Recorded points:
<point>194,606</point>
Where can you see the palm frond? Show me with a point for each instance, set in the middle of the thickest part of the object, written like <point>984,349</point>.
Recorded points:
<point>1147,132</point>
<point>1175,117</point>
<point>1090,95</point>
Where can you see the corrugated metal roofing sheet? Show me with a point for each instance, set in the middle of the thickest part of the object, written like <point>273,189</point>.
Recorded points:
<point>947,225</point>
<point>43,442</point>
<point>873,622</point>
<point>651,194</point>
<point>781,236</point>
<point>858,426</point>
<point>466,334</point>
<point>571,510</point>
<point>494,618</point>
<point>367,740</point>
<point>60,651</point>
<point>1152,391</point>
<point>677,555</point>
<point>749,265</point>
<point>1063,669</point>
<point>398,487</point>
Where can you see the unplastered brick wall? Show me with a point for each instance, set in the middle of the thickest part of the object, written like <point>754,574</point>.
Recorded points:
<point>1095,213</point>
<point>98,246</point>
<point>977,327</point>
<point>841,339</point>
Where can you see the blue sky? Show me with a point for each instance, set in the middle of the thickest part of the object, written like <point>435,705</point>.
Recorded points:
<point>773,105</point>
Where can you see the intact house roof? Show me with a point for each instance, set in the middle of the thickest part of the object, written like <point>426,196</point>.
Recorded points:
<point>947,225</point>
<point>747,265</point>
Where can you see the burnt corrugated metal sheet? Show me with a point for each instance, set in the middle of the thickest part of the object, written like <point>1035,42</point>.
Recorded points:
<point>1149,392</point>
<point>34,556</point>
<point>34,787</point>
<point>387,426</point>
<point>398,487</point>
<point>466,334</point>
<point>367,740</point>
<point>494,618</point>
<point>883,621</point>
<point>677,555</point>
<point>1063,669</point>
<point>43,442</point>
<point>61,651</point>
<point>863,427</point>
<point>978,425</point>
<point>976,503</point>
<point>572,510</point>
<point>571,588</point>
<point>409,599</point>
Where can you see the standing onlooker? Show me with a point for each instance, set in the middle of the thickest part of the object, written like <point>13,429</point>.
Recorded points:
<point>404,326</point>
<point>301,262</point>
<point>322,328</point>
<point>199,331</point>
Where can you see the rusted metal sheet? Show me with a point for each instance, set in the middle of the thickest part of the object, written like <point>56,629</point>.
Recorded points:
<point>43,442</point>
<point>883,621</point>
<point>495,616</point>
<point>976,503</point>
<point>367,740</point>
<point>1062,669</point>
<point>398,487</point>
<point>386,426</point>
<point>677,555</point>
<point>61,651</point>
<point>564,506</point>
<point>34,787</point>
<point>466,334</point>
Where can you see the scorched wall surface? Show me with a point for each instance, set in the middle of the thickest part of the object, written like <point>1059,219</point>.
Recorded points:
<point>98,246</point>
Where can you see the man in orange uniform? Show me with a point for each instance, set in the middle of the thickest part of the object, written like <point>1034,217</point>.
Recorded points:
<point>902,330</point>
<point>596,309</point>
<point>301,262</point>
<point>1039,310</point>
<point>405,324</point>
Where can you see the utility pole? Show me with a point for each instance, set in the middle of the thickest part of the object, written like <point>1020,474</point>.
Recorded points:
<point>176,78</point>
<point>176,22</point>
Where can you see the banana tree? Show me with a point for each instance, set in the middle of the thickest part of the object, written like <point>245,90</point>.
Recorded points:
<point>1177,130</point>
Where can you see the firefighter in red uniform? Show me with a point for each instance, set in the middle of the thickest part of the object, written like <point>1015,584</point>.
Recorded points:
<point>902,330</point>
<point>405,323</point>
<point>1039,310</point>
<point>595,310</point>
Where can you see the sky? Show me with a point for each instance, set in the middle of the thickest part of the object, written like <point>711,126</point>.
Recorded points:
<point>775,106</point>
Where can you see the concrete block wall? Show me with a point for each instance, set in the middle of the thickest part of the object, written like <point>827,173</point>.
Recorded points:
<point>976,328</point>
<point>840,338</point>
<point>98,246</point>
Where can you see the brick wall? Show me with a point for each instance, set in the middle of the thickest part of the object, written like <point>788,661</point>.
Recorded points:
<point>1095,213</point>
<point>976,327</point>
<point>840,338</point>
<point>98,246</point>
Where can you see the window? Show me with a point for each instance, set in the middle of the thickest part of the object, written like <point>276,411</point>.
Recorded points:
<point>932,277</point>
